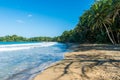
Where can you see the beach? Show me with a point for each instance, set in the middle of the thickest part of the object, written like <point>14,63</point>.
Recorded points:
<point>86,62</point>
<point>60,40</point>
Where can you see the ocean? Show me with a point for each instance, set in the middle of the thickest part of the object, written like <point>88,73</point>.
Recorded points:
<point>23,60</point>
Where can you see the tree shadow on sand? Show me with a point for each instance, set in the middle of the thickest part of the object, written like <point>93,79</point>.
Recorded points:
<point>85,47</point>
<point>88,63</point>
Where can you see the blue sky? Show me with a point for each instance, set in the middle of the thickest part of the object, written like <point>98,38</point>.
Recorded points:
<point>30,18</point>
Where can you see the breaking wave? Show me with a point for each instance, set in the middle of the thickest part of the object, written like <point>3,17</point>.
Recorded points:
<point>13,47</point>
<point>22,61</point>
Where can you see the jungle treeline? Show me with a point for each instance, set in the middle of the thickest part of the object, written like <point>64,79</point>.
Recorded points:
<point>15,38</point>
<point>99,24</point>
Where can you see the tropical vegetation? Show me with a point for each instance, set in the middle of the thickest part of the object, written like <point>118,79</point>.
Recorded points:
<point>99,24</point>
<point>16,38</point>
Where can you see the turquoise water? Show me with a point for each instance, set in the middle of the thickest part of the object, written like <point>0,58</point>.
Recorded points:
<point>6,43</point>
<point>20,61</point>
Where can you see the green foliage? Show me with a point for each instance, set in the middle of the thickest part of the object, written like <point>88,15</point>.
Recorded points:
<point>15,38</point>
<point>37,39</point>
<point>12,38</point>
<point>99,24</point>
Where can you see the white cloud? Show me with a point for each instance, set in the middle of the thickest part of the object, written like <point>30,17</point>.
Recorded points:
<point>19,21</point>
<point>29,15</point>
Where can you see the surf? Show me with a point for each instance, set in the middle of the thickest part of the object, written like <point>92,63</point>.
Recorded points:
<point>20,61</point>
<point>14,47</point>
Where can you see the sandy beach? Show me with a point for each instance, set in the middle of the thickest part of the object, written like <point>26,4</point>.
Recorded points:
<point>87,62</point>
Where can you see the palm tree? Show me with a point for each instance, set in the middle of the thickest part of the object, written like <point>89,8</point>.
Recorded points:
<point>115,9</point>
<point>100,17</point>
<point>115,15</point>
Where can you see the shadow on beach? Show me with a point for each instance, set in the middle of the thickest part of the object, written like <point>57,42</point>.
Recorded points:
<point>86,47</point>
<point>86,67</point>
<point>88,62</point>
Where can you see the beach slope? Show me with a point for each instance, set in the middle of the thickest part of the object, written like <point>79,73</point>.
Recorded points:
<point>87,62</point>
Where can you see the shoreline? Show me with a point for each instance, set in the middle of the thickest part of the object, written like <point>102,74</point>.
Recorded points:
<point>33,76</point>
<point>68,48</point>
<point>85,52</point>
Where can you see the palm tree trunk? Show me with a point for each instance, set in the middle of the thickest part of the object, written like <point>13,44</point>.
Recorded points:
<point>113,37</point>
<point>108,34</point>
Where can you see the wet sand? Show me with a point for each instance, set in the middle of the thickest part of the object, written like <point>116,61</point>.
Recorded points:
<point>87,62</point>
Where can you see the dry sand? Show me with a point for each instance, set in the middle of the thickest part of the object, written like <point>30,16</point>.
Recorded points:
<point>87,62</point>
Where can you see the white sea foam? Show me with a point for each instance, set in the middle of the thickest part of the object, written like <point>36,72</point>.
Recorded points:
<point>13,47</point>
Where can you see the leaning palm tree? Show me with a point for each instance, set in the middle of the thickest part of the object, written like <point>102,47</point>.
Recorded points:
<point>115,15</point>
<point>99,17</point>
